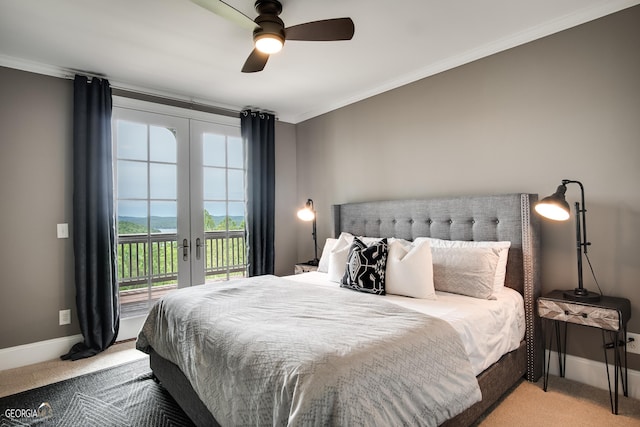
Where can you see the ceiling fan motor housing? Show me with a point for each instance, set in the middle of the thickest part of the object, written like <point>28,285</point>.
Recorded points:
<point>269,25</point>
<point>268,7</point>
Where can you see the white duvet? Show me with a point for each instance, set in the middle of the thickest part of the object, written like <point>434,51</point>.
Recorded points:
<point>270,351</point>
<point>488,328</point>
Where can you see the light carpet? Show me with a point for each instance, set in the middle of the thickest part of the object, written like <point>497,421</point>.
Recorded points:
<point>566,403</point>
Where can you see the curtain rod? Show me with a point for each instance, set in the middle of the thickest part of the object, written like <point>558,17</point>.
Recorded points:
<point>175,102</point>
<point>136,93</point>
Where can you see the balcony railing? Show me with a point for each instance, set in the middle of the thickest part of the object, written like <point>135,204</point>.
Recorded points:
<point>148,264</point>
<point>225,253</point>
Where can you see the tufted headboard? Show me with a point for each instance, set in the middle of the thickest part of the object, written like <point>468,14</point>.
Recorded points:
<point>479,218</point>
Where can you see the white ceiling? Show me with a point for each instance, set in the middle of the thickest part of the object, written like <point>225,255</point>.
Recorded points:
<point>177,49</point>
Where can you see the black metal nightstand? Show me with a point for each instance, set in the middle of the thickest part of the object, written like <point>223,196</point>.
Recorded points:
<point>609,314</point>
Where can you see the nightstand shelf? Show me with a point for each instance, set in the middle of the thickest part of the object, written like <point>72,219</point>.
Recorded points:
<point>304,267</point>
<point>609,314</point>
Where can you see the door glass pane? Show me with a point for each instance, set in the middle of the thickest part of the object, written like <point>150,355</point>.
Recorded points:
<point>236,251</point>
<point>132,245</point>
<point>164,247</point>
<point>162,144</point>
<point>216,212</point>
<point>132,180</point>
<point>236,213</point>
<point>163,181</point>
<point>215,184</point>
<point>236,184</point>
<point>164,217</point>
<point>132,217</point>
<point>214,150</point>
<point>235,153</point>
<point>132,140</point>
<point>215,218</point>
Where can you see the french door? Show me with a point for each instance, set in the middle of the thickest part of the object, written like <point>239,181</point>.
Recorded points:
<point>218,202</point>
<point>179,197</point>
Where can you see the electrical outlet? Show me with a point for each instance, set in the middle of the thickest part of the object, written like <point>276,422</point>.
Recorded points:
<point>64,317</point>
<point>633,346</point>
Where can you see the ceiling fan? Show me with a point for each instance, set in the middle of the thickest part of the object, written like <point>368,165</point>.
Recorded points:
<point>269,32</point>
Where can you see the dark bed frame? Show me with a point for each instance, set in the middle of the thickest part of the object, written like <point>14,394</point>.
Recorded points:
<point>478,218</point>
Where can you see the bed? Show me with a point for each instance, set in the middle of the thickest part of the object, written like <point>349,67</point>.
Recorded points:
<point>477,218</point>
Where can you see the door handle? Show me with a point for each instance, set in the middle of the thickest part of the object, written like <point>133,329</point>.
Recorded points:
<point>185,250</point>
<point>198,246</point>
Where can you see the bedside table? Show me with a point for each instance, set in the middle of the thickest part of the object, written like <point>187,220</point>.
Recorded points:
<point>304,268</point>
<point>609,314</point>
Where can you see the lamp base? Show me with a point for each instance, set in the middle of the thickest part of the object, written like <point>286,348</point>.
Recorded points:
<point>581,295</point>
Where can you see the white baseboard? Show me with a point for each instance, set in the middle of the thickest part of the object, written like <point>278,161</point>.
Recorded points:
<point>42,351</point>
<point>28,354</point>
<point>593,373</point>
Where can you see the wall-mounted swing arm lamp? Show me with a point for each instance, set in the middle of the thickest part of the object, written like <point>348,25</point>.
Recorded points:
<point>555,207</point>
<point>308,213</point>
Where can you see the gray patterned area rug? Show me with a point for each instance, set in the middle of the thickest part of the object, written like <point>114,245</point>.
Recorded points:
<point>124,395</point>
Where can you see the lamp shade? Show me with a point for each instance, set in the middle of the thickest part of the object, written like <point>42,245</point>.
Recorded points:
<point>307,213</point>
<point>554,206</point>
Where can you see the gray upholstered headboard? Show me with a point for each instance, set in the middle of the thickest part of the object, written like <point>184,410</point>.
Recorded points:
<point>480,218</point>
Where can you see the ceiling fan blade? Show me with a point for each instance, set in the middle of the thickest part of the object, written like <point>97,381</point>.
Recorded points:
<point>255,62</point>
<point>227,12</point>
<point>325,30</point>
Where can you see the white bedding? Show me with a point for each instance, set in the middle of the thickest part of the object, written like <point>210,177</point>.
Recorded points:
<point>488,328</point>
<point>269,351</point>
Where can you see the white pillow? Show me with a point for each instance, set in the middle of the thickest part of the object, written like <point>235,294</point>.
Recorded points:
<point>503,253</point>
<point>338,257</point>
<point>410,270</point>
<point>323,264</point>
<point>340,252</point>
<point>465,270</point>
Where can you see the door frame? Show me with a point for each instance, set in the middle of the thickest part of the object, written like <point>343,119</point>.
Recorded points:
<point>183,231</point>
<point>130,327</point>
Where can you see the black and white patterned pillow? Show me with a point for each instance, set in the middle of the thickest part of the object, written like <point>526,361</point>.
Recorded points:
<point>366,266</point>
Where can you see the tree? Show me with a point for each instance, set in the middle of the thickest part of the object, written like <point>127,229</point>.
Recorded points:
<point>126,227</point>
<point>209,223</point>
<point>230,223</point>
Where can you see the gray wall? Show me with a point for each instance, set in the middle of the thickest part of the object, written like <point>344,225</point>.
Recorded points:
<point>36,192</point>
<point>287,203</point>
<point>566,106</point>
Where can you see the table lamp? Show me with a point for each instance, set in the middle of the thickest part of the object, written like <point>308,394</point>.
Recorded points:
<point>308,213</point>
<point>555,207</point>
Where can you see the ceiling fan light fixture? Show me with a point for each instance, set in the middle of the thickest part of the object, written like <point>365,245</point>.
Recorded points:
<point>269,43</point>
<point>270,33</point>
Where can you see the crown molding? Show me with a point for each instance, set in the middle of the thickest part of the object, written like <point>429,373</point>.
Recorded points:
<point>531,34</point>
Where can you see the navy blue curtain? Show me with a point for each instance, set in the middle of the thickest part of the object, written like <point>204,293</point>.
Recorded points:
<point>258,133</point>
<point>94,245</point>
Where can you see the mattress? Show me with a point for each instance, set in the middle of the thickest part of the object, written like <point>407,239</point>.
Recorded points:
<point>488,328</point>
<point>271,351</point>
